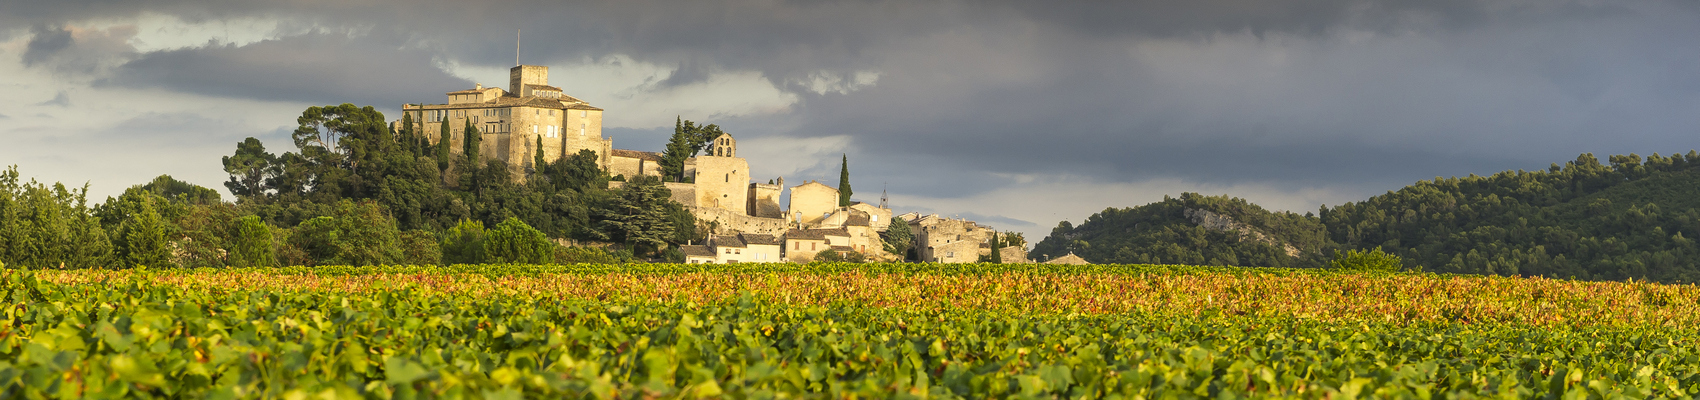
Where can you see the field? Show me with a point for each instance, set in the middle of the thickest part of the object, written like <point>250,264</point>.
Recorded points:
<point>839,331</point>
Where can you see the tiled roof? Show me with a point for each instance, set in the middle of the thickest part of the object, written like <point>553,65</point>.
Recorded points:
<point>729,241</point>
<point>468,91</point>
<point>761,239</point>
<point>544,87</point>
<point>697,250</point>
<point>815,234</point>
<point>641,155</point>
<point>1069,259</point>
<point>857,219</point>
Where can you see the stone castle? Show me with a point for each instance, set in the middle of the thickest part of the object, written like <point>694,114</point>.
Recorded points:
<point>744,219</point>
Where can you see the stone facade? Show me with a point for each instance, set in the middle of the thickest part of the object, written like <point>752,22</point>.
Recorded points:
<point>511,123</point>
<point>764,200</point>
<point>812,202</point>
<point>947,240</point>
<point>723,183</point>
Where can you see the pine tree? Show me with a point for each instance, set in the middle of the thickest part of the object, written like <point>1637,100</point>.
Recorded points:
<point>252,245</point>
<point>844,183</point>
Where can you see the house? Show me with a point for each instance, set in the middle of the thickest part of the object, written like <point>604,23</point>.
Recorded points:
<point>802,244</point>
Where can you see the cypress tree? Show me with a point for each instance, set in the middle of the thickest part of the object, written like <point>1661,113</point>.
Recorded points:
<point>405,137</point>
<point>997,256</point>
<point>472,142</point>
<point>844,183</point>
<point>538,163</point>
<point>443,140</point>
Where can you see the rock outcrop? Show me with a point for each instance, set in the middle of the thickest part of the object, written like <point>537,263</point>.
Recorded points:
<point>1218,222</point>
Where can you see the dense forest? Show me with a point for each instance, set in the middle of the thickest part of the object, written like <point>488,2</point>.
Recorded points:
<point>354,192</point>
<point>1630,217</point>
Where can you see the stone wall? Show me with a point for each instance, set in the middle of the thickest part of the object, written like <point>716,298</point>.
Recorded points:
<point>730,221</point>
<point>723,182</point>
<point>764,201</point>
<point>683,193</point>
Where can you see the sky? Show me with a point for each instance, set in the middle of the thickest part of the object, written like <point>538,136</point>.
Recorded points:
<point>1016,114</point>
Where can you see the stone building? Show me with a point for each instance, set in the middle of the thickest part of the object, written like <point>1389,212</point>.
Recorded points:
<point>801,245</point>
<point>812,202</point>
<point>529,116</point>
<point>511,122</point>
<point>948,240</point>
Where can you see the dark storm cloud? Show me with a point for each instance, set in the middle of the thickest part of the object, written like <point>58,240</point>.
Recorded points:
<point>320,68</point>
<point>45,42</point>
<point>1362,93</point>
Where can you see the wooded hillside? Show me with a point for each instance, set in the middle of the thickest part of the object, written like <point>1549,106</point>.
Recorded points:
<point>1630,217</point>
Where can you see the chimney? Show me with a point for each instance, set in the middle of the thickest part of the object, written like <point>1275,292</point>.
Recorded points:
<point>480,86</point>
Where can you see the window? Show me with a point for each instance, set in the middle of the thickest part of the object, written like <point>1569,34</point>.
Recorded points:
<point>534,129</point>
<point>812,246</point>
<point>728,177</point>
<point>582,113</point>
<point>797,245</point>
<point>950,254</point>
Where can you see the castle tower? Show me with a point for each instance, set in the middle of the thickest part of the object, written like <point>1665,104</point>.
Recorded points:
<point>520,77</point>
<point>722,179</point>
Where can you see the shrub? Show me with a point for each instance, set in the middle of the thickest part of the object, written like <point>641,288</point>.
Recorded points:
<point>517,243</point>
<point>464,243</point>
<point>1369,261</point>
<point>829,255</point>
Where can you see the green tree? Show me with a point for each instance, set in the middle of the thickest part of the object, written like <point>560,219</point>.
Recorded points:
<point>1373,261</point>
<point>146,237</point>
<point>897,238</point>
<point>444,137</point>
<point>357,234</point>
<point>252,244</point>
<point>464,243</point>
<point>472,140</point>
<point>637,215</point>
<point>514,242</point>
<point>46,227</point>
<point>537,163</point>
<point>420,248</point>
<point>844,182</point>
<point>997,253</point>
<point>248,169</point>
<point>688,139</point>
<point>828,255</point>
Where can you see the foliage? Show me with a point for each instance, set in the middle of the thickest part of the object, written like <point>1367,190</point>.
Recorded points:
<point>420,248</point>
<point>289,333</point>
<point>586,255</point>
<point>514,242</point>
<point>844,182</point>
<point>1633,218</point>
<point>464,243</point>
<point>145,239</point>
<point>1163,233</point>
<point>897,237</point>
<point>829,255</point>
<point>638,215</point>
<point>688,139</point>
<point>1366,261</point>
<point>358,234</point>
<point>251,246</point>
<point>49,227</point>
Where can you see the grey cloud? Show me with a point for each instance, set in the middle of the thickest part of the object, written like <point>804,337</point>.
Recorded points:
<point>83,52</point>
<point>322,68</point>
<point>63,99</point>
<point>45,43</point>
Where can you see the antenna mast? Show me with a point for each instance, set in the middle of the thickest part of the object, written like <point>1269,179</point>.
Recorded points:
<point>516,47</point>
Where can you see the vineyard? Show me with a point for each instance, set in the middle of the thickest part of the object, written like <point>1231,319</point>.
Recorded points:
<point>839,331</point>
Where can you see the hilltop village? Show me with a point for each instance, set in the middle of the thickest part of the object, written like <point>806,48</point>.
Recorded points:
<point>744,219</point>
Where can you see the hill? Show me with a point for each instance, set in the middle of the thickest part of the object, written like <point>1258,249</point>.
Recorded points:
<point>1628,218</point>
